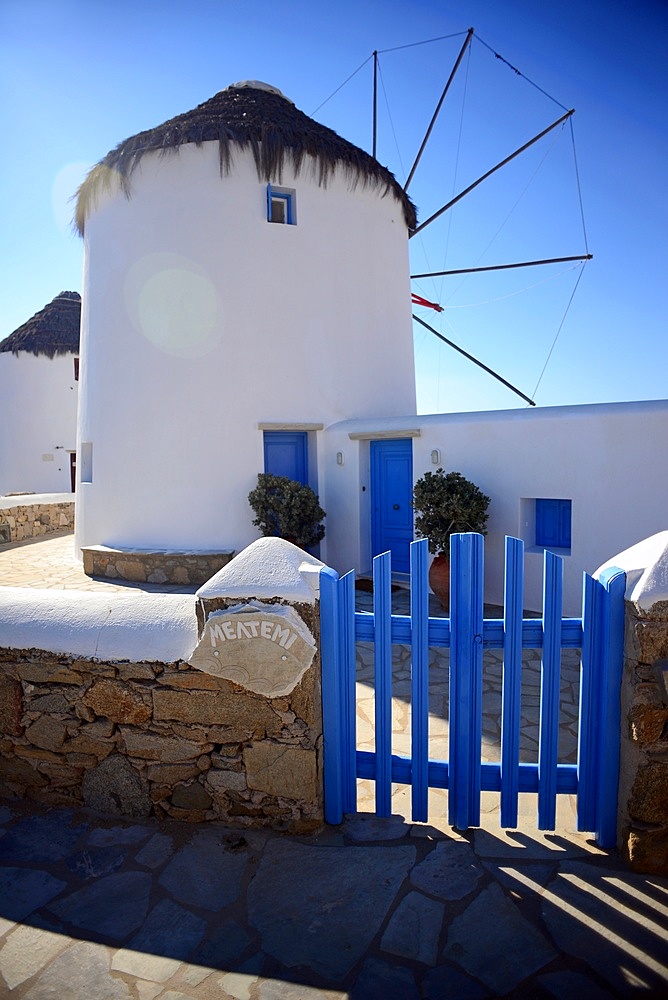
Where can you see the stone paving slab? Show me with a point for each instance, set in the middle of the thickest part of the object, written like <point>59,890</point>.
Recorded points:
<point>371,909</point>
<point>320,907</point>
<point>487,938</point>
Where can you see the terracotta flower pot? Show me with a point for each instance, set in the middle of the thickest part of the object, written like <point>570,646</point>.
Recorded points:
<point>439,579</point>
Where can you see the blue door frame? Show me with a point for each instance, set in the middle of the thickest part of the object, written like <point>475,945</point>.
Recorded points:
<point>391,494</point>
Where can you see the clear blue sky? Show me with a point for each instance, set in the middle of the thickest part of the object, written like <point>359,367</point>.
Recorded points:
<point>78,76</point>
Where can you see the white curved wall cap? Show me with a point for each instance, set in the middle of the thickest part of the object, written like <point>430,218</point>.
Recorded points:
<point>646,568</point>
<point>269,567</point>
<point>258,85</point>
<point>153,627</point>
<point>31,499</point>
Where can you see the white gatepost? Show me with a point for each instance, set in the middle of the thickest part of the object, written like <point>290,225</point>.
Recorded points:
<point>642,827</point>
<point>258,621</point>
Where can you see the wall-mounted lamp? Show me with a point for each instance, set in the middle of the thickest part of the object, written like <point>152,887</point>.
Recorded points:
<point>436,457</point>
<point>340,458</point>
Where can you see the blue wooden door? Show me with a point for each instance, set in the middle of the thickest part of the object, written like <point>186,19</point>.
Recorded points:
<point>286,454</point>
<point>391,494</point>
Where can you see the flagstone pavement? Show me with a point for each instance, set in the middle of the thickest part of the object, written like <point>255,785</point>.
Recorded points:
<point>101,908</point>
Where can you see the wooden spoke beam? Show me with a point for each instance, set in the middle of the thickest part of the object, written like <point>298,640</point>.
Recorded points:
<point>471,358</point>
<point>493,170</point>
<point>502,267</point>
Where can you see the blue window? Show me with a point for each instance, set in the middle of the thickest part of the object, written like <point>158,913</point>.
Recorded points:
<point>553,523</point>
<point>286,454</point>
<point>281,206</point>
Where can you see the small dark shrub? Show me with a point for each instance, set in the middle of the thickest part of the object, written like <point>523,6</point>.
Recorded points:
<point>285,508</point>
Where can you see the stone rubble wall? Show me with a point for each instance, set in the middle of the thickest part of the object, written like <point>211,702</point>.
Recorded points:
<point>32,520</point>
<point>161,739</point>
<point>643,788</point>
<point>182,568</point>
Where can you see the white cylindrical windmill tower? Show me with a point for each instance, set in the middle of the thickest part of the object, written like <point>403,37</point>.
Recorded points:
<point>245,269</point>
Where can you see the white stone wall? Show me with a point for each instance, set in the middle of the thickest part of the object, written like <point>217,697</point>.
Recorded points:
<point>201,320</point>
<point>609,459</point>
<point>38,418</point>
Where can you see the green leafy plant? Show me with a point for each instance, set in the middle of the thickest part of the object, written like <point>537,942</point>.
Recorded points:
<point>285,508</point>
<point>447,503</point>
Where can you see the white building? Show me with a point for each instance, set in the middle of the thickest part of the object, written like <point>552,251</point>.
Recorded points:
<point>247,308</point>
<point>246,276</point>
<point>591,462</point>
<point>38,400</point>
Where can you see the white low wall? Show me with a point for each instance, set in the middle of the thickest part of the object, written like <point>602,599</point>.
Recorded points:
<point>609,459</point>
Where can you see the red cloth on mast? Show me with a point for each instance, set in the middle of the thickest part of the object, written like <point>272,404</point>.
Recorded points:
<point>419,301</point>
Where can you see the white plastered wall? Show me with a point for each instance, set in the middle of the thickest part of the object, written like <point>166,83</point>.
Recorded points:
<point>202,320</point>
<point>595,455</point>
<point>38,419</point>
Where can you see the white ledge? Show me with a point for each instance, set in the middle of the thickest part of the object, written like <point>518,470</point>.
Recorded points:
<point>288,425</point>
<point>269,567</point>
<point>159,628</point>
<point>646,568</point>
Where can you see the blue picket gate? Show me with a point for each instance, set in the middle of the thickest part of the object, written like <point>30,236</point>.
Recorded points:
<point>598,634</point>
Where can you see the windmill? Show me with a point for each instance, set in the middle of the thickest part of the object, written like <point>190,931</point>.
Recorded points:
<point>535,140</point>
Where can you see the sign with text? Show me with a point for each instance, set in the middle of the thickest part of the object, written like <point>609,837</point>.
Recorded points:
<point>265,648</point>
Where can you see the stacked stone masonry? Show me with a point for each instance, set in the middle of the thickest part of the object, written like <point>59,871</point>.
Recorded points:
<point>162,739</point>
<point>32,520</point>
<point>643,792</point>
<point>141,566</point>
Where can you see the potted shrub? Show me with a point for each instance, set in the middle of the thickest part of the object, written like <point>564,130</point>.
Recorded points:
<point>444,504</point>
<point>287,509</point>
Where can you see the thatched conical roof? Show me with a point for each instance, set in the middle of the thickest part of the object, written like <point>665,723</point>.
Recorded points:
<point>53,330</point>
<point>251,115</point>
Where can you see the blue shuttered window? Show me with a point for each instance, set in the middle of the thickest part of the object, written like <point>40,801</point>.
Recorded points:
<point>553,523</point>
<point>286,454</point>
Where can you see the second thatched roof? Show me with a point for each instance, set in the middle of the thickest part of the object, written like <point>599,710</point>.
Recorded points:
<point>53,330</point>
<point>251,115</point>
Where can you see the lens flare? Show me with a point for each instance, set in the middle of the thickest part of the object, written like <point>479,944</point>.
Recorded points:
<point>174,305</point>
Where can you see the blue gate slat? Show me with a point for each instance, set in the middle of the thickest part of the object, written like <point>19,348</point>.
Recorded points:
<point>593,598</point>
<point>550,674</point>
<point>511,690</point>
<point>532,633</point>
<point>331,695</point>
<point>612,641</point>
<point>439,631</point>
<point>465,702</point>
<point>419,554</point>
<point>382,606</point>
<point>529,781</point>
<point>490,774</point>
<point>348,667</point>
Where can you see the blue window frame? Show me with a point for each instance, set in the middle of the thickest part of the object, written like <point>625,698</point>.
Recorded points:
<point>281,206</point>
<point>553,523</point>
